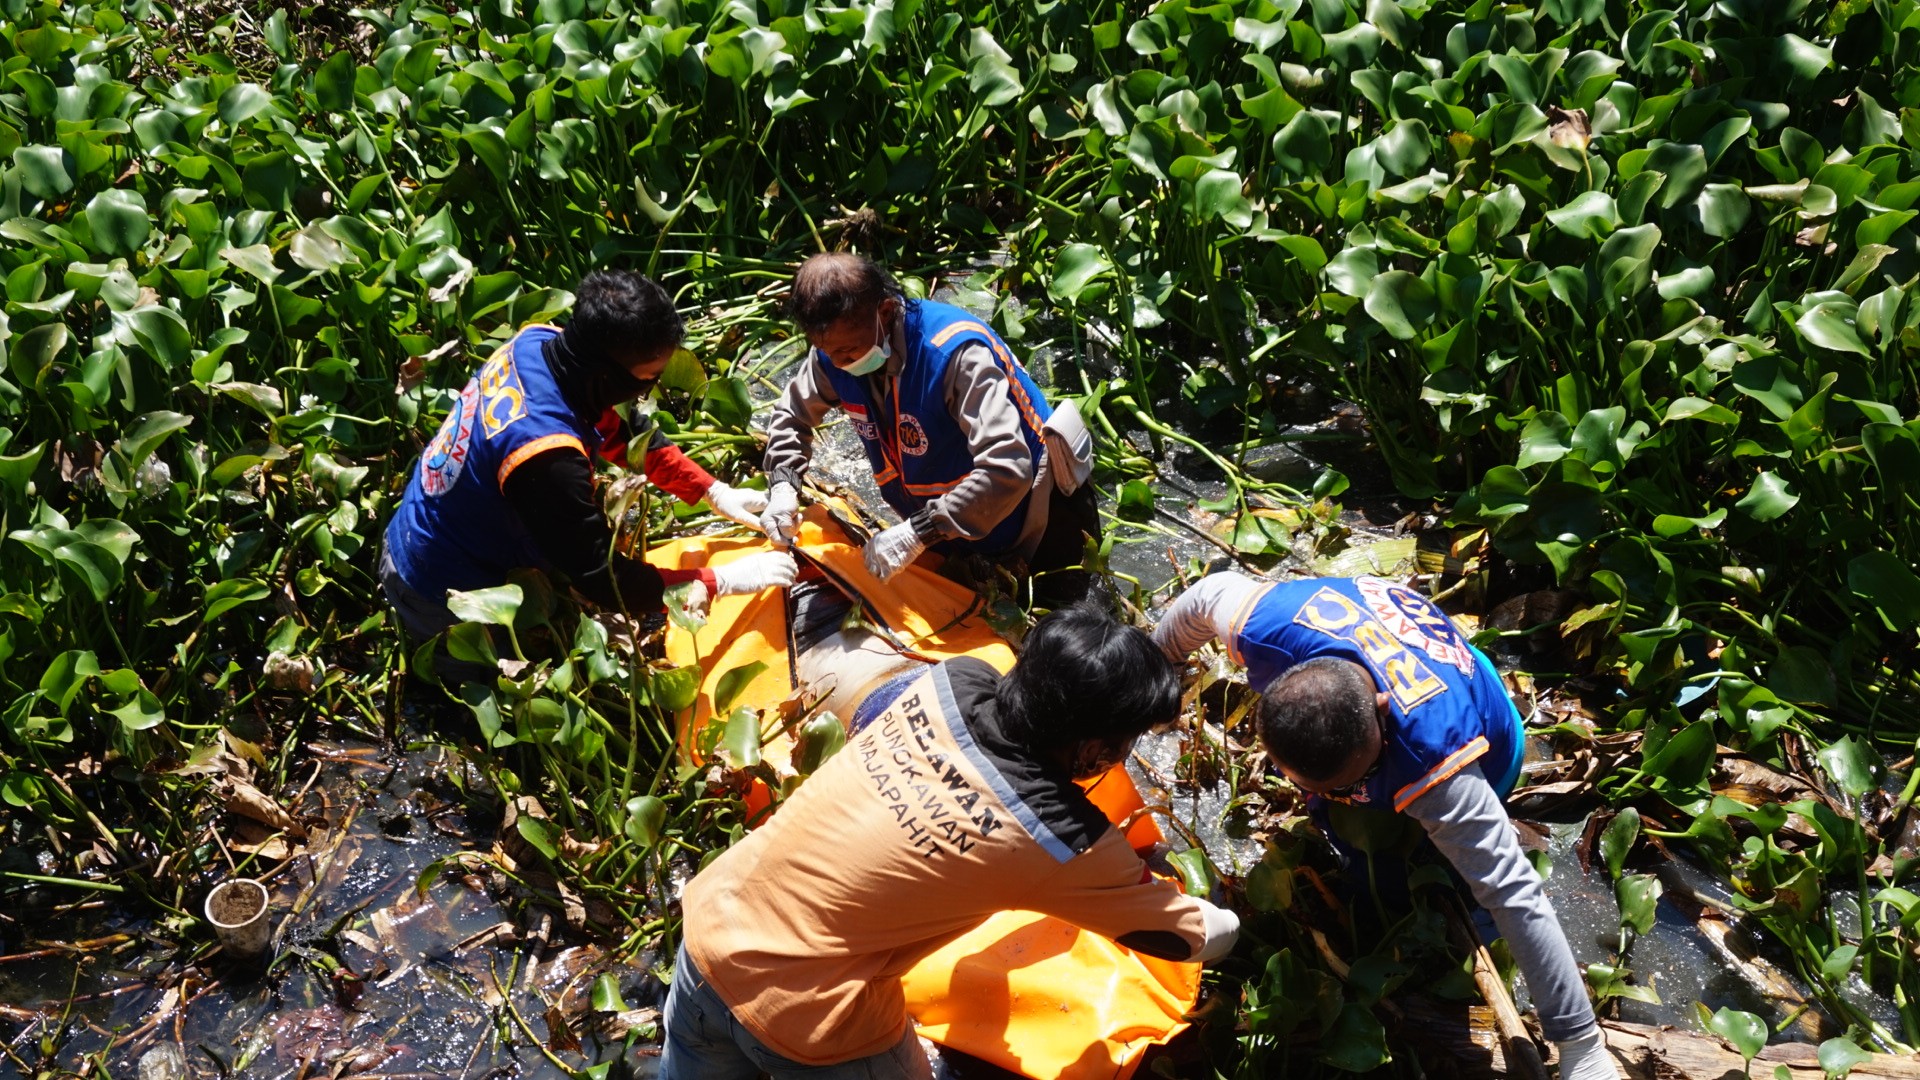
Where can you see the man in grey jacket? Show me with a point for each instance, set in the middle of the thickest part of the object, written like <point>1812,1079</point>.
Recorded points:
<point>963,444</point>
<point>1370,696</point>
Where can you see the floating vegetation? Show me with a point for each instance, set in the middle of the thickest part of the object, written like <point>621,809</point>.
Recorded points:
<point>1609,301</point>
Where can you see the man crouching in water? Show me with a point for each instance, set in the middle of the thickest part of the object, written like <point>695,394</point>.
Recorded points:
<point>797,937</point>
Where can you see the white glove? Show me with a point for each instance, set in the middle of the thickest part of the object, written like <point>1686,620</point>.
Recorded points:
<point>782,516</point>
<point>697,598</point>
<point>737,504</point>
<point>1586,1058</point>
<point>767,570</point>
<point>1223,929</point>
<point>891,551</point>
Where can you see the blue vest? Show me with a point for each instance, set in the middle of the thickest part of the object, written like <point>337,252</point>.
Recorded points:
<point>1449,707</point>
<point>454,529</point>
<point>917,450</point>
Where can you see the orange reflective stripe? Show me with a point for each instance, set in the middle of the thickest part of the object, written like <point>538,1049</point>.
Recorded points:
<point>930,489</point>
<point>1019,390</point>
<point>1455,761</point>
<point>508,344</point>
<point>886,475</point>
<point>1021,400</point>
<point>957,329</point>
<point>1240,618</point>
<point>539,445</point>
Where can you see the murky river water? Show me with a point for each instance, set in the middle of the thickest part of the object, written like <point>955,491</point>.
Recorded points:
<point>373,977</point>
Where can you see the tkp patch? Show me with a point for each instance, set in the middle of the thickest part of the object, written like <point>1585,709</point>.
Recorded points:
<point>913,437</point>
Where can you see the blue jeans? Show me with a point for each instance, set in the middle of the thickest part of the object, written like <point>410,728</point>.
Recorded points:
<point>705,1042</point>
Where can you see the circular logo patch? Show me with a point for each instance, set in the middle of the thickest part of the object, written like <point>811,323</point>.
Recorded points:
<point>913,437</point>
<point>446,455</point>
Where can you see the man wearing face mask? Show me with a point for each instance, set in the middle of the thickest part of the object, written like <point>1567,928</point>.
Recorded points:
<point>964,446</point>
<point>508,480</point>
<point>957,801</point>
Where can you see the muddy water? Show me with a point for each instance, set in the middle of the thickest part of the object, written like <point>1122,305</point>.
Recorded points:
<point>373,979</point>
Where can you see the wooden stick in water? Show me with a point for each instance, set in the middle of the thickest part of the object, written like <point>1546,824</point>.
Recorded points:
<point>1523,1057</point>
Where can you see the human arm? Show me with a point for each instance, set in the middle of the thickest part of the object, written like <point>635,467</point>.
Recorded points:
<point>979,396</point>
<point>552,493</point>
<point>1107,890</point>
<point>1469,825</point>
<point>668,468</point>
<point>806,402</point>
<point>1206,611</point>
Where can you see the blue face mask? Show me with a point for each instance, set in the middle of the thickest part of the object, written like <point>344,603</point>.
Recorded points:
<point>874,358</point>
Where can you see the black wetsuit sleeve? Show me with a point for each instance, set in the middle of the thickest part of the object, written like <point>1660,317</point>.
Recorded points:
<point>552,492</point>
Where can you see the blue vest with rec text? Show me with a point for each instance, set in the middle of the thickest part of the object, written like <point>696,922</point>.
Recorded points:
<point>917,449</point>
<point>1449,708</point>
<point>454,528</point>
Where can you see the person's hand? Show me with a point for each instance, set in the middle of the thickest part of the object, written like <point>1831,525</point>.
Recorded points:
<point>781,518</point>
<point>767,570</point>
<point>1586,1058</point>
<point>891,551</point>
<point>697,598</point>
<point>1223,929</point>
<point>743,505</point>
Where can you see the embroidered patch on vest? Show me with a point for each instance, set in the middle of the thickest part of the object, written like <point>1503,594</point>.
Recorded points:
<point>913,437</point>
<point>1416,622</point>
<point>1405,677</point>
<point>446,455</point>
<point>506,399</point>
<point>862,426</point>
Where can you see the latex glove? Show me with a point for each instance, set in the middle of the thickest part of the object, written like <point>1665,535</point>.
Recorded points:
<point>1223,929</point>
<point>697,598</point>
<point>891,551</point>
<point>1586,1058</point>
<point>743,505</point>
<point>781,519</point>
<point>755,573</point>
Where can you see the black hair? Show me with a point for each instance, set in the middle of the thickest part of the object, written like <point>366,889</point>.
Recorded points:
<point>833,285</point>
<point>623,317</point>
<point>1315,718</point>
<point>1083,675</point>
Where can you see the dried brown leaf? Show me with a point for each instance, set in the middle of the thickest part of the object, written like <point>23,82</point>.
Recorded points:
<point>573,849</point>
<point>250,802</point>
<point>573,909</point>
<point>620,1024</point>
<point>560,1037</point>
<point>1569,128</point>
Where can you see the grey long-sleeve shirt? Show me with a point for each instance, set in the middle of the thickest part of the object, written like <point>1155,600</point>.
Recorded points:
<point>978,395</point>
<point>1462,815</point>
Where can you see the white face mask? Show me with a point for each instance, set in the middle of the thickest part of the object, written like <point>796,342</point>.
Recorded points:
<point>874,358</point>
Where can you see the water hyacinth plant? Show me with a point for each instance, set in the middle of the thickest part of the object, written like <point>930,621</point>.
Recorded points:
<point>1622,287</point>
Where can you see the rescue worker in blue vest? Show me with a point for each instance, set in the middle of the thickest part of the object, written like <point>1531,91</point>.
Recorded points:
<point>964,446</point>
<point>1370,696</point>
<point>508,480</point>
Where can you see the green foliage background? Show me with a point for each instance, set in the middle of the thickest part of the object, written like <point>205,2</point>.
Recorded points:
<point>1624,283</point>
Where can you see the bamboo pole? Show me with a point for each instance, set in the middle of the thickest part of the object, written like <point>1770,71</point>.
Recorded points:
<point>1523,1057</point>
